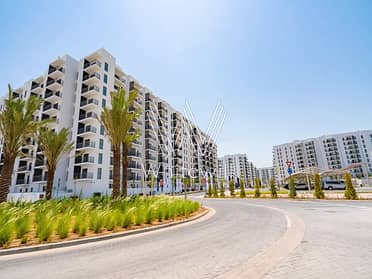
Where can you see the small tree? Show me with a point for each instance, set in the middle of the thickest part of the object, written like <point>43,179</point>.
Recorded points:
<point>232,187</point>
<point>242,190</point>
<point>350,192</point>
<point>54,145</point>
<point>152,183</point>
<point>222,188</point>
<point>318,191</point>
<point>257,184</point>
<point>273,192</point>
<point>292,188</point>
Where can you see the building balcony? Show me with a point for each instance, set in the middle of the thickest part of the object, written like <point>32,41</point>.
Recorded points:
<point>37,87</point>
<point>84,160</point>
<point>87,130</point>
<point>89,104</point>
<point>86,145</point>
<point>56,73</point>
<point>53,97</point>
<point>50,109</point>
<point>90,79</point>
<point>88,117</point>
<point>84,175</point>
<point>90,91</point>
<point>39,178</point>
<point>92,66</point>
<point>54,85</point>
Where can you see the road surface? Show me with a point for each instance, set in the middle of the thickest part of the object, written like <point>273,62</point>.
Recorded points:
<point>337,244</point>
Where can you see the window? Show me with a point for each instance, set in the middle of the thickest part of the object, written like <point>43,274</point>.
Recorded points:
<point>105,78</point>
<point>106,67</point>
<point>99,173</point>
<point>102,130</point>
<point>104,91</point>
<point>100,143</point>
<point>100,158</point>
<point>103,103</point>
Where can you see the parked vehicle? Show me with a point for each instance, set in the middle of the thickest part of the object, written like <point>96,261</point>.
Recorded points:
<point>334,185</point>
<point>299,186</point>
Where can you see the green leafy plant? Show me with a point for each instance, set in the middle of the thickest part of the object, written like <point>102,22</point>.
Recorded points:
<point>257,185</point>
<point>242,190</point>
<point>292,188</point>
<point>273,192</point>
<point>350,192</point>
<point>232,187</point>
<point>318,191</point>
<point>63,226</point>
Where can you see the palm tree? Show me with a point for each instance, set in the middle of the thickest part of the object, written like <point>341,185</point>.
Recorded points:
<point>130,134</point>
<point>54,145</point>
<point>17,123</point>
<point>112,120</point>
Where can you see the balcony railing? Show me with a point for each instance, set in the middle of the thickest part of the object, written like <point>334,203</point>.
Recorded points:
<point>88,115</point>
<point>85,175</point>
<point>86,159</point>
<point>85,144</point>
<point>51,81</point>
<point>96,75</point>
<point>90,88</point>
<point>87,129</point>
<point>52,70</point>
<point>89,101</point>
<point>37,178</point>
<point>50,93</point>
<point>94,62</point>
<point>50,106</point>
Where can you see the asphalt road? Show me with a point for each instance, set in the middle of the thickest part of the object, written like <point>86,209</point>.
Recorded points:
<point>337,244</point>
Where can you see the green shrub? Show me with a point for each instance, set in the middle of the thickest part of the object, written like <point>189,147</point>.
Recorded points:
<point>139,216</point>
<point>81,225</point>
<point>273,192</point>
<point>242,193</point>
<point>6,230</point>
<point>63,226</point>
<point>222,188</point>
<point>110,220</point>
<point>96,221</point>
<point>232,187</point>
<point>23,225</point>
<point>350,192</point>
<point>292,188</point>
<point>45,226</point>
<point>209,190</point>
<point>257,185</point>
<point>318,191</point>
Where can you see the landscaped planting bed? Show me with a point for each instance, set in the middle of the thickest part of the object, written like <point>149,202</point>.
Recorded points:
<point>24,223</point>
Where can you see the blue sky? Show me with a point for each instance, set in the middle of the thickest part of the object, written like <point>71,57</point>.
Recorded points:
<point>284,70</point>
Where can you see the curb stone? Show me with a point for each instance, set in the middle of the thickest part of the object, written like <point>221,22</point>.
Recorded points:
<point>75,242</point>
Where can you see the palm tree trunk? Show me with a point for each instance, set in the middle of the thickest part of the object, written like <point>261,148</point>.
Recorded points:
<point>124,182</point>
<point>49,187</point>
<point>6,177</point>
<point>116,173</point>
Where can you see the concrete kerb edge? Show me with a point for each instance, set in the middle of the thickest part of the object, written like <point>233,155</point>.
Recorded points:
<point>75,242</point>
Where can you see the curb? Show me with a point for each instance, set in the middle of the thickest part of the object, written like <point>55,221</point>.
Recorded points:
<point>75,242</point>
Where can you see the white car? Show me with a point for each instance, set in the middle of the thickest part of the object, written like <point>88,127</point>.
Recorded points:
<point>334,185</point>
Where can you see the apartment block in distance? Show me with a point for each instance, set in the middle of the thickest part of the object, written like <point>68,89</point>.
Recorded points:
<point>235,166</point>
<point>326,152</point>
<point>75,92</point>
<point>265,174</point>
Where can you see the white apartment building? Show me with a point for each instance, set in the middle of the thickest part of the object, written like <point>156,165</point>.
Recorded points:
<point>235,166</point>
<point>326,152</point>
<point>265,174</point>
<point>75,93</point>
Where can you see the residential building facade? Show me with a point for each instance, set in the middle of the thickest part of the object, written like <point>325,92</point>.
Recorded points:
<point>326,152</point>
<point>265,174</point>
<point>235,166</point>
<point>75,92</point>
